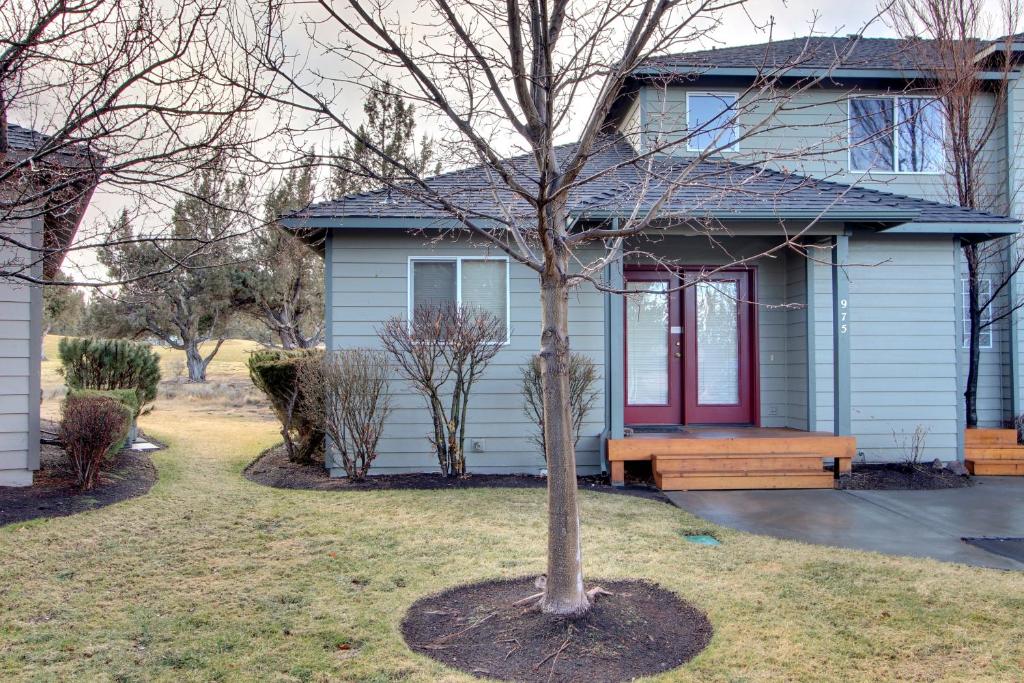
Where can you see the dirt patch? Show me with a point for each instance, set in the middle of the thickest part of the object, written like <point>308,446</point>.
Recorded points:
<point>639,630</point>
<point>272,468</point>
<point>53,492</point>
<point>899,476</point>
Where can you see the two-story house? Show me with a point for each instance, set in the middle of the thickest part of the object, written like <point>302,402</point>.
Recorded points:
<point>851,340</point>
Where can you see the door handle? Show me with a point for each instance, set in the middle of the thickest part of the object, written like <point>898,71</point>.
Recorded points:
<point>678,354</point>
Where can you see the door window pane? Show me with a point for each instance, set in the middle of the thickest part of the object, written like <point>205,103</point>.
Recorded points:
<point>483,287</point>
<point>710,120</point>
<point>718,347</point>
<point>647,343</point>
<point>871,134</point>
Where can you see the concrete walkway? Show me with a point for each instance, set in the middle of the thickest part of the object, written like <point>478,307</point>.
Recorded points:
<point>914,523</point>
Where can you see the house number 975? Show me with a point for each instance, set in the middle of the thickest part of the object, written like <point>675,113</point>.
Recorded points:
<point>843,313</point>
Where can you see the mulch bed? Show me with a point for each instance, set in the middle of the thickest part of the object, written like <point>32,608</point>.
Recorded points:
<point>639,630</point>
<point>272,468</point>
<point>903,477</point>
<point>53,492</point>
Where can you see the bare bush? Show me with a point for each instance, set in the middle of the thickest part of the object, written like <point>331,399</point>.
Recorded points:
<point>90,427</point>
<point>912,445</point>
<point>583,394</point>
<point>442,352</point>
<point>348,391</point>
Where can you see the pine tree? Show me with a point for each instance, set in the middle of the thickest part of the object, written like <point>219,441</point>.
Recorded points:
<point>183,296</point>
<point>281,284</point>
<point>390,126</point>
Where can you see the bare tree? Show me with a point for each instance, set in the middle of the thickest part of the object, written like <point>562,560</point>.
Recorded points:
<point>130,97</point>
<point>442,352</point>
<point>583,393</point>
<point>348,391</point>
<point>970,111</point>
<point>504,82</point>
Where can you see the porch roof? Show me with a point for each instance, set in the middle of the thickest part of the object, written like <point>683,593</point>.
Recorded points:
<point>616,183</point>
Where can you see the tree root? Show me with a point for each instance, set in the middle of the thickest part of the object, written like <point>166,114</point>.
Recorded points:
<point>534,601</point>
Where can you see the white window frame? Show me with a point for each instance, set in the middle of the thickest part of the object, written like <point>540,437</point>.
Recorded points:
<point>985,285</point>
<point>457,260</point>
<point>735,146</point>
<point>895,135</point>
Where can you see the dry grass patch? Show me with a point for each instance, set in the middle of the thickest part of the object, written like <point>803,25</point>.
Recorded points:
<point>212,577</point>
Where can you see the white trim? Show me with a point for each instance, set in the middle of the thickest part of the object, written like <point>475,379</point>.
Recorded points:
<point>735,147</point>
<point>457,260</point>
<point>985,284</point>
<point>895,136</point>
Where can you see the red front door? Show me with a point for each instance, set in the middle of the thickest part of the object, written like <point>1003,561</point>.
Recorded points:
<point>690,355</point>
<point>718,372</point>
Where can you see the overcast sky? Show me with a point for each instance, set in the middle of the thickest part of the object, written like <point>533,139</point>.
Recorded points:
<point>791,18</point>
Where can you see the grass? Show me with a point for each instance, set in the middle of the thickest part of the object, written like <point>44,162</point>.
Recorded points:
<point>210,577</point>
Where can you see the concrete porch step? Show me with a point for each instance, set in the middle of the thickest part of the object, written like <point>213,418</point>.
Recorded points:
<point>725,463</point>
<point>785,479</point>
<point>1006,468</point>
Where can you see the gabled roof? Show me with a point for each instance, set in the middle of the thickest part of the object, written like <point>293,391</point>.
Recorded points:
<point>61,215</point>
<point>720,188</point>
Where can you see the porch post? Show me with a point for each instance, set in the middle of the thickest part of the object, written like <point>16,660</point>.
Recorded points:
<point>841,335</point>
<point>615,325</point>
<point>810,330</point>
<point>1013,294</point>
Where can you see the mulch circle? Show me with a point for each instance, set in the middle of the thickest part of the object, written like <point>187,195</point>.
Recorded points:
<point>53,492</point>
<point>902,477</point>
<point>272,468</point>
<point>639,630</point>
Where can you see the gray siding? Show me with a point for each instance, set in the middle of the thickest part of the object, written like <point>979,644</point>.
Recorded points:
<point>810,136</point>
<point>369,284</point>
<point>20,307</point>
<point>903,345</point>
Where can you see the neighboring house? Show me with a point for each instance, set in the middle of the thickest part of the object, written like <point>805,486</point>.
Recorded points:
<point>21,304</point>
<point>865,339</point>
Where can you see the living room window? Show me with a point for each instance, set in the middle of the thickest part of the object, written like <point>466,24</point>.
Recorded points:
<point>711,121</point>
<point>896,134</point>
<point>471,281</point>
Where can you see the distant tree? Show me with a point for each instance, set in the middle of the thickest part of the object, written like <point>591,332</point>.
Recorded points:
<point>390,125</point>
<point>281,285</point>
<point>185,307</point>
<point>63,308</point>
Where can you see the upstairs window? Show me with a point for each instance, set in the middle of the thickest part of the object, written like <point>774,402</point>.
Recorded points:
<point>711,121</point>
<point>477,283</point>
<point>984,294</point>
<point>896,134</point>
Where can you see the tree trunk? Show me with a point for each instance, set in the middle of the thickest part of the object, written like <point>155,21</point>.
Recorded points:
<point>195,362</point>
<point>974,341</point>
<point>42,341</point>
<point>563,593</point>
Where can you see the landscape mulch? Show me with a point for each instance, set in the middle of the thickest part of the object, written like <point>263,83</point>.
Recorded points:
<point>53,492</point>
<point>902,477</point>
<point>639,630</point>
<point>272,468</point>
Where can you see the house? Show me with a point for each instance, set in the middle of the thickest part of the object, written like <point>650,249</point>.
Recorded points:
<point>28,227</point>
<point>851,345</point>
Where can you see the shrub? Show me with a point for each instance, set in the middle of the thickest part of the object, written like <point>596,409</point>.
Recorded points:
<point>91,426</point>
<point>127,398</point>
<point>275,372</point>
<point>583,394</point>
<point>107,364</point>
<point>442,353</point>
<point>349,390</point>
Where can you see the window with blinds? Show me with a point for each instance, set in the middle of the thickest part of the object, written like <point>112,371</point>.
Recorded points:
<point>476,283</point>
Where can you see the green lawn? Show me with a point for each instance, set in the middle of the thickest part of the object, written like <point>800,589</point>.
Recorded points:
<point>210,577</point>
